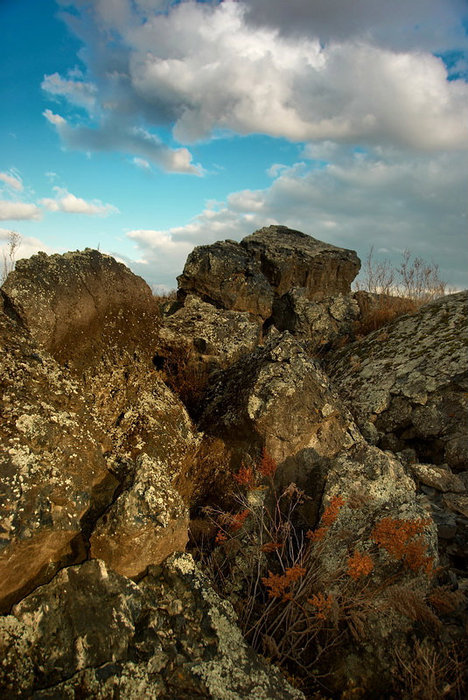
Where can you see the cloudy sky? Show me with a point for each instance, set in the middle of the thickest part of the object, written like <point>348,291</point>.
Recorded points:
<point>145,127</point>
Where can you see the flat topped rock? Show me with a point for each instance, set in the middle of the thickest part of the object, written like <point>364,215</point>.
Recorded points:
<point>290,258</point>
<point>249,275</point>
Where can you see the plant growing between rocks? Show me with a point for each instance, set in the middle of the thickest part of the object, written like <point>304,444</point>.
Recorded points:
<point>307,618</point>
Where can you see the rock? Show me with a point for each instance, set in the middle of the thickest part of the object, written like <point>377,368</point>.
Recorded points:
<point>146,524</point>
<point>411,382</point>
<point>457,503</point>
<point>278,399</point>
<point>95,633</point>
<point>224,275</point>
<point>214,338</point>
<point>319,325</point>
<point>440,479</point>
<point>83,305</point>
<point>55,481</point>
<point>290,259</point>
<point>268,263</point>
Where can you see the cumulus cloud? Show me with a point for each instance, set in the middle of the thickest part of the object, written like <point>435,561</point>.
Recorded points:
<point>382,198</point>
<point>17,211</point>
<point>67,202</point>
<point>113,135</point>
<point>12,180</point>
<point>205,67</point>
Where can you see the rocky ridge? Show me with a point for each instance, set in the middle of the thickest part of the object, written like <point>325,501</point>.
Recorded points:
<point>104,467</point>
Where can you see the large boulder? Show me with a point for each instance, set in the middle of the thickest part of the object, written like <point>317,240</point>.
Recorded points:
<point>318,324</point>
<point>223,274</point>
<point>82,306</point>
<point>248,276</point>
<point>94,633</point>
<point>407,384</point>
<point>290,258</point>
<point>278,399</point>
<point>55,480</point>
<point>207,336</point>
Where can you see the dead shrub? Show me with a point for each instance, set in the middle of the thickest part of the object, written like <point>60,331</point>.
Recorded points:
<point>9,253</point>
<point>185,375</point>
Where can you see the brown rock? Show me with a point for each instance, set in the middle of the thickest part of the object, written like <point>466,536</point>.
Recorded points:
<point>54,478</point>
<point>438,478</point>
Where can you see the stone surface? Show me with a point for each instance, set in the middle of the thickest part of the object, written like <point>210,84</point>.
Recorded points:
<point>278,399</point>
<point>291,258</point>
<point>82,305</point>
<point>223,274</point>
<point>268,263</point>
<point>214,338</point>
<point>147,523</point>
<point>438,478</point>
<point>54,478</point>
<point>94,633</point>
<point>408,386</point>
<point>317,324</point>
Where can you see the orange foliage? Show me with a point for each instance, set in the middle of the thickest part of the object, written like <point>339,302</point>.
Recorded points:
<point>359,565</point>
<point>245,477</point>
<point>278,584</point>
<point>220,537</point>
<point>271,546</point>
<point>322,604</point>
<point>267,466</point>
<point>331,512</point>
<point>238,520</point>
<point>397,537</point>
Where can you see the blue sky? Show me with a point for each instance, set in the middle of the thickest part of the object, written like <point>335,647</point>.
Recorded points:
<point>145,127</point>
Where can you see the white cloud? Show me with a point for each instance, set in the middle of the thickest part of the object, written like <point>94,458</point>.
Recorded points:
<point>206,67</point>
<point>78,92</point>
<point>70,204</point>
<point>12,180</point>
<point>115,135</point>
<point>18,211</point>
<point>383,198</point>
<point>141,163</point>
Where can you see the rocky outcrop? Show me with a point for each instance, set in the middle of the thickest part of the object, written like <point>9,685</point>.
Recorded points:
<point>224,275</point>
<point>406,384</point>
<point>278,399</point>
<point>319,325</point>
<point>94,633</point>
<point>82,306</point>
<point>214,338</point>
<point>290,259</point>
<point>248,276</point>
<point>54,478</point>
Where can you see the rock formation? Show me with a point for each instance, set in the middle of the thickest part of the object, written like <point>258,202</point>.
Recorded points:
<point>321,483</point>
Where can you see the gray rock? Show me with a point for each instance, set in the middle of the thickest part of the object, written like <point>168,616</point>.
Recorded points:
<point>94,632</point>
<point>412,382</point>
<point>290,259</point>
<point>223,274</point>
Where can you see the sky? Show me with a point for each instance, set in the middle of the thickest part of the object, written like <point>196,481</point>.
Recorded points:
<point>144,128</point>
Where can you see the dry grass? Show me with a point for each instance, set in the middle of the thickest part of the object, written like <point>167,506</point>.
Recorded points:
<point>13,242</point>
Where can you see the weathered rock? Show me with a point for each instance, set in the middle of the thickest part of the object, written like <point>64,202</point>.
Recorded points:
<point>82,306</point>
<point>223,274</point>
<point>438,478</point>
<point>95,633</point>
<point>54,478</point>
<point>214,338</point>
<point>290,259</point>
<point>408,386</point>
<point>247,276</point>
<point>147,523</point>
<point>278,399</point>
<point>317,324</point>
